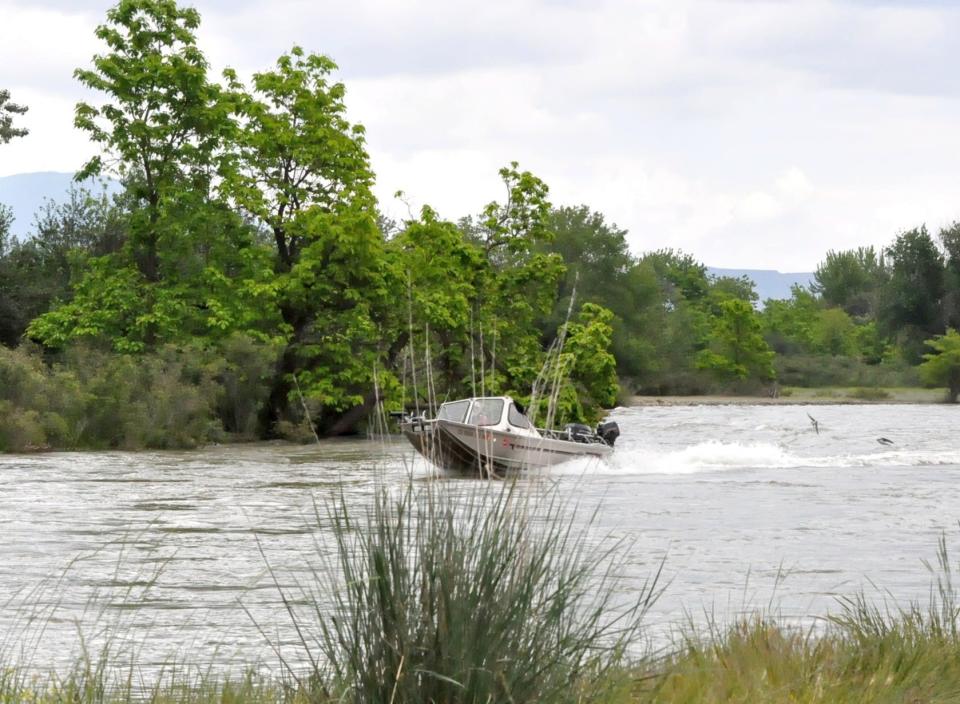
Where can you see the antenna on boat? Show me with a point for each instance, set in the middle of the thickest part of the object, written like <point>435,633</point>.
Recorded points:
<point>473,366</point>
<point>483,364</point>
<point>306,409</point>
<point>413,359</point>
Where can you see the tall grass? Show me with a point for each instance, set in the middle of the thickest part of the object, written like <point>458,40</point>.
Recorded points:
<point>871,651</point>
<point>484,596</point>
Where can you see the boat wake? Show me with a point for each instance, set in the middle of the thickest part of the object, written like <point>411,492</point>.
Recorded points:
<point>716,456</point>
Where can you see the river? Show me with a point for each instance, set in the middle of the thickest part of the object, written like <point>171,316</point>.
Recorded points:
<point>750,506</point>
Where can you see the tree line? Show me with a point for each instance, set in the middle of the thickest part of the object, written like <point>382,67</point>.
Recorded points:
<point>246,269</point>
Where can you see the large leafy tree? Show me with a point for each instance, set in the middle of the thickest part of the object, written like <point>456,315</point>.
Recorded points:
<point>737,349</point>
<point>301,170</point>
<point>189,265</point>
<point>520,283</point>
<point>7,112</point>
<point>602,270</point>
<point>851,279</point>
<point>163,124</point>
<point>437,274</point>
<point>911,302</point>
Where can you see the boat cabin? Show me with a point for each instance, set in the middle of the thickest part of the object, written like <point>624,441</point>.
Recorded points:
<point>491,413</point>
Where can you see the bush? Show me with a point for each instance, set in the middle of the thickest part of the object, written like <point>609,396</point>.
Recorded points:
<point>813,370</point>
<point>177,396</point>
<point>865,394</point>
<point>482,598</point>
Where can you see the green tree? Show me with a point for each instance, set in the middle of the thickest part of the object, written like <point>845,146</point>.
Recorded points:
<point>950,242</point>
<point>911,302</point>
<point>520,283</point>
<point>40,271</point>
<point>833,333</point>
<point>589,341</point>
<point>737,349</point>
<point>164,123</point>
<point>301,169</point>
<point>189,266</point>
<point>437,275</point>
<point>788,324</point>
<point>942,366</point>
<point>599,263</point>
<point>851,279</point>
<point>297,151</point>
<point>680,271</point>
<point>7,112</point>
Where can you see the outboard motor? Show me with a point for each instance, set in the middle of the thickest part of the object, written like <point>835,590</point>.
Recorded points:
<point>608,431</point>
<point>578,432</point>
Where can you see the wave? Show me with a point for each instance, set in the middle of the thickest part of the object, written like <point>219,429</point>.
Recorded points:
<point>715,456</point>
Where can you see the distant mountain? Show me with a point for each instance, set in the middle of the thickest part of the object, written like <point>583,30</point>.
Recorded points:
<point>769,283</point>
<point>26,193</point>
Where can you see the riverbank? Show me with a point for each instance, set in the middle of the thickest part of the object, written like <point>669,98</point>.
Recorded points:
<point>799,396</point>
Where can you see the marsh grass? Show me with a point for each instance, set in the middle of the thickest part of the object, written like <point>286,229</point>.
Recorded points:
<point>871,651</point>
<point>487,595</point>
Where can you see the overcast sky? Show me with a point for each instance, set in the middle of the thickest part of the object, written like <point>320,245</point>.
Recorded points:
<point>751,134</point>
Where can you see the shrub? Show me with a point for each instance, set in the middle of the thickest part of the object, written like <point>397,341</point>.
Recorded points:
<point>176,396</point>
<point>479,598</point>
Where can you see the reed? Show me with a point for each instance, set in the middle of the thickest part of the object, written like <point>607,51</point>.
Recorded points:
<point>871,651</point>
<point>488,595</point>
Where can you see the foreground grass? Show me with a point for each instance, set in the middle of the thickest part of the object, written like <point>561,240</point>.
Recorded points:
<point>752,661</point>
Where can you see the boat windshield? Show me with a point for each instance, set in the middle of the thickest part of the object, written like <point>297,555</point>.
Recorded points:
<point>455,411</point>
<point>516,418</point>
<point>486,411</point>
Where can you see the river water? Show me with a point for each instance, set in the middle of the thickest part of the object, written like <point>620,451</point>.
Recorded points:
<point>750,506</point>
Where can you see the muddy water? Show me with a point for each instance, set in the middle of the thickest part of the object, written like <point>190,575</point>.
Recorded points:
<point>178,554</point>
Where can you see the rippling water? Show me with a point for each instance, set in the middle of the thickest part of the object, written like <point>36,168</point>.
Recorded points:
<point>749,505</point>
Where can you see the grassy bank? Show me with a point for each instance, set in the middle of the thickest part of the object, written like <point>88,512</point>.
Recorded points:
<point>485,592</point>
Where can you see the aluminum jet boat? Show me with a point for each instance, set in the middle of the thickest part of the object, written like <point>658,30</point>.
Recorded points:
<point>493,436</point>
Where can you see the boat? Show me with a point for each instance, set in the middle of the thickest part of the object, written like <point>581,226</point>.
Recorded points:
<point>493,436</point>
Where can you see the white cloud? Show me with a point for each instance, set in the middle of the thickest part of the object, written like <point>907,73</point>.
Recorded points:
<point>754,134</point>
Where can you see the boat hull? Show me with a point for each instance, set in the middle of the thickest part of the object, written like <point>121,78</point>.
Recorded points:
<point>469,448</point>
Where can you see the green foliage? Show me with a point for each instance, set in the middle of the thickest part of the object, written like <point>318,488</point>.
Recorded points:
<point>296,150</point>
<point>910,307</point>
<point>7,112</point>
<point>824,370</point>
<point>39,272</point>
<point>600,266</point>
<point>684,274</point>
<point>737,349</point>
<point>594,368</point>
<point>950,242</point>
<point>942,366</point>
<point>851,279</point>
<point>189,266</point>
<point>788,324</point>
<point>174,397</point>
<point>834,333</point>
